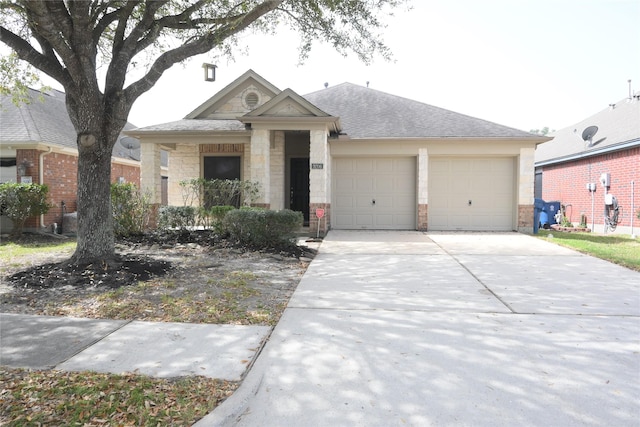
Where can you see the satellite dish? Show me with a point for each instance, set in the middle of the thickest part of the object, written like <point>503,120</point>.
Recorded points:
<point>130,143</point>
<point>588,133</point>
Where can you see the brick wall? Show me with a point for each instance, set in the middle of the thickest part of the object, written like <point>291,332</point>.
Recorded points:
<point>423,217</point>
<point>566,183</point>
<point>128,172</point>
<point>525,218</point>
<point>60,175</point>
<point>325,221</point>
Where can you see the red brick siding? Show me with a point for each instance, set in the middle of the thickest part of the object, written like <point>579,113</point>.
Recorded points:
<point>60,175</point>
<point>129,173</point>
<point>566,183</point>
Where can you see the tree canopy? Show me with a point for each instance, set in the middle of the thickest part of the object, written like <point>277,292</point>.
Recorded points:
<point>90,46</point>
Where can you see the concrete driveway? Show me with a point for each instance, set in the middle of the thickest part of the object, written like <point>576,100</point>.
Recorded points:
<point>414,329</point>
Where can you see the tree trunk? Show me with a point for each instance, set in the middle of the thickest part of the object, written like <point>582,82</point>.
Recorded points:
<point>95,223</point>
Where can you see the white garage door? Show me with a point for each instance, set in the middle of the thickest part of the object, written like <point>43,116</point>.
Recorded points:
<point>475,194</point>
<point>374,193</point>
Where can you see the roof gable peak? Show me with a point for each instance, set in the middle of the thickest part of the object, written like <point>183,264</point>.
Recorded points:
<point>244,94</point>
<point>287,104</point>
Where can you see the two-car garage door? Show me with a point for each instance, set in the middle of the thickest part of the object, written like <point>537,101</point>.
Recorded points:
<point>475,193</point>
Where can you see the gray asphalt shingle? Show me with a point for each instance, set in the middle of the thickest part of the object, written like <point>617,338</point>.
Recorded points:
<point>369,113</point>
<point>616,126</point>
<point>44,120</point>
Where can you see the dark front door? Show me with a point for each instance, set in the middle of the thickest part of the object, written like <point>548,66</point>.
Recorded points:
<point>299,191</point>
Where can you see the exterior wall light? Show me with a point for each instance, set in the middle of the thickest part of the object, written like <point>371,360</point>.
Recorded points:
<point>22,167</point>
<point>209,72</point>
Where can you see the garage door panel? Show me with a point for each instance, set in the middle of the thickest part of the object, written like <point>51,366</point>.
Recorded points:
<point>345,202</point>
<point>342,166</point>
<point>385,203</point>
<point>364,221</point>
<point>384,165</point>
<point>363,202</point>
<point>363,184</point>
<point>384,184</point>
<point>364,166</point>
<point>487,182</point>
<point>346,185</point>
<point>461,167</point>
<point>341,221</point>
<point>388,181</point>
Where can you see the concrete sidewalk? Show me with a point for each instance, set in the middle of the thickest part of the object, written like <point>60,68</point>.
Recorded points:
<point>164,350</point>
<point>414,329</point>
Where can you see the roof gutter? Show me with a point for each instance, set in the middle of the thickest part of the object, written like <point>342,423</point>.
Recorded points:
<point>590,153</point>
<point>41,175</point>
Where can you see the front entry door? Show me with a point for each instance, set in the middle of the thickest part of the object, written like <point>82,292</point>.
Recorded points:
<point>299,191</point>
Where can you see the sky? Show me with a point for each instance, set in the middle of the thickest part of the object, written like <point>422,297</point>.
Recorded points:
<point>526,64</point>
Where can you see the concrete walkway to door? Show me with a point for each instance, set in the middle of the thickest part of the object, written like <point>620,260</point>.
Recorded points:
<point>414,329</point>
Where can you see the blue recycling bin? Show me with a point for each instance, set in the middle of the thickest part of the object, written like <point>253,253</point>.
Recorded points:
<point>538,204</point>
<point>551,208</point>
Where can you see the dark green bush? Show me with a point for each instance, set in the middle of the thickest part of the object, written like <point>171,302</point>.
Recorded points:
<point>19,202</point>
<point>131,209</point>
<point>212,217</point>
<point>263,228</point>
<point>181,217</point>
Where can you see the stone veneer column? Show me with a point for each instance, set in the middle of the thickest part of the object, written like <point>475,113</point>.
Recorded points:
<point>526,180</point>
<point>319,181</point>
<point>423,189</point>
<point>184,164</point>
<point>277,171</point>
<point>150,178</point>
<point>260,162</point>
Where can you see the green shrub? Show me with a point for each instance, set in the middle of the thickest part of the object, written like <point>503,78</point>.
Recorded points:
<point>212,218</point>
<point>181,217</point>
<point>19,202</point>
<point>131,209</point>
<point>262,228</point>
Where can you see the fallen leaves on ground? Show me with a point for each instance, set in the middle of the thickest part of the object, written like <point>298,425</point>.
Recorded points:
<point>34,398</point>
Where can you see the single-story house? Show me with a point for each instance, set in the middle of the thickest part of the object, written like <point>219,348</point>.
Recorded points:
<point>601,153</point>
<point>38,145</point>
<point>364,158</point>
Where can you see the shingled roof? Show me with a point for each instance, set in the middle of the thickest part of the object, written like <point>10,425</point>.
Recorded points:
<point>618,128</point>
<point>369,113</point>
<point>44,120</point>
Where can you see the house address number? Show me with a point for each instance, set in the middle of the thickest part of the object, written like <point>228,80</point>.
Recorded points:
<point>317,165</point>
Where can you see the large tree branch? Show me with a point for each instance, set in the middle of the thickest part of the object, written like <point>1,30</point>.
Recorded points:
<point>48,64</point>
<point>197,46</point>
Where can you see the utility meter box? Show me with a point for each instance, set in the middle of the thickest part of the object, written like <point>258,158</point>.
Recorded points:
<point>605,179</point>
<point>608,199</point>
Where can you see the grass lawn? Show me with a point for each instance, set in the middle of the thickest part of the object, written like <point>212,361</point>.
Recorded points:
<point>619,249</point>
<point>47,397</point>
<point>19,254</point>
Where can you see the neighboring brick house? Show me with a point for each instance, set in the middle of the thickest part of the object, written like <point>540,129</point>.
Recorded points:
<point>568,163</point>
<point>38,145</point>
<point>368,159</point>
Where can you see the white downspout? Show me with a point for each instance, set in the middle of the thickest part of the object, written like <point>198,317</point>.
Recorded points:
<point>41,176</point>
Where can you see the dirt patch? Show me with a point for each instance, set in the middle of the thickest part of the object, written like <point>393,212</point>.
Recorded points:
<point>184,277</point>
